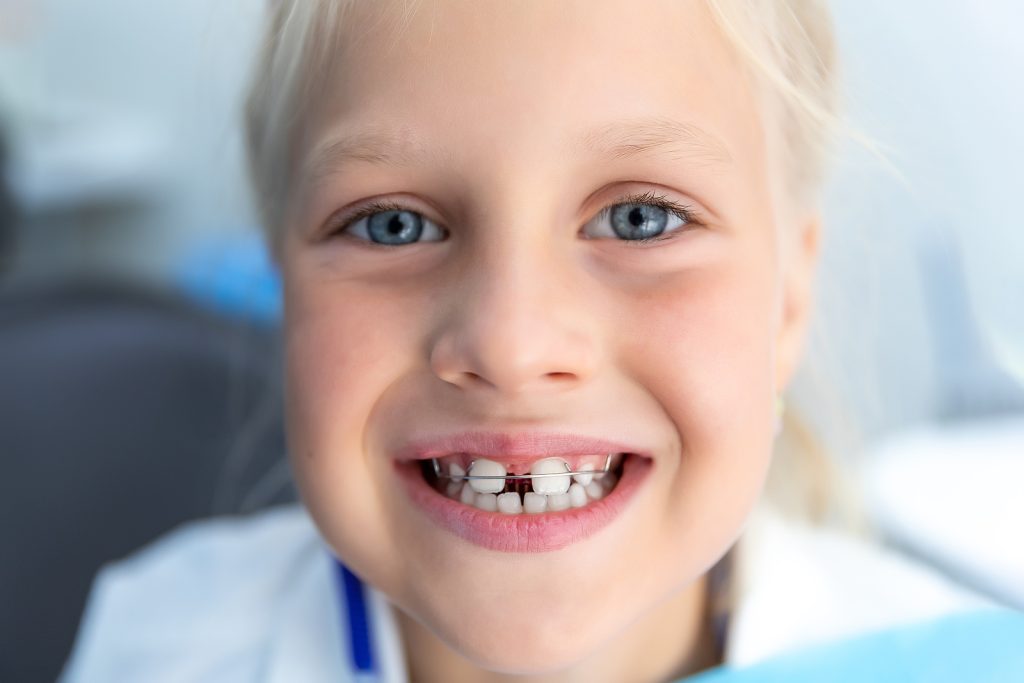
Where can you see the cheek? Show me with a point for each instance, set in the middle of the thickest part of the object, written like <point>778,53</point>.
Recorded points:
<point>702,345</point>
<point>335,352</point>
<point>339,359</point>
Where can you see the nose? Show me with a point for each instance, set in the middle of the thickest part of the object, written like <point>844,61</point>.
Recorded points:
<point>515,327</point>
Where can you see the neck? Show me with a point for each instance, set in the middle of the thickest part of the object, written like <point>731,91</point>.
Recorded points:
<point>672,641</point>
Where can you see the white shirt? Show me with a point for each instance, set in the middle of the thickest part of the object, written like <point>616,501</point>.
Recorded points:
<point>258,598</point>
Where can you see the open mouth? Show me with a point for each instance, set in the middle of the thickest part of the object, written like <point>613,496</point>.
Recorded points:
<point>522,503</point>
<point>546,485</point>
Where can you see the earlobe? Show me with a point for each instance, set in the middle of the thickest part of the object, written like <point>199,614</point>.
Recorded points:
<point>800,265</point>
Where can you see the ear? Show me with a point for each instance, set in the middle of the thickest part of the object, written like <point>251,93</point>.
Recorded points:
<point>799,263</point>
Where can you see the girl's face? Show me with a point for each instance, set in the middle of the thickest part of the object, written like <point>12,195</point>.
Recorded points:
<point>509,304</point>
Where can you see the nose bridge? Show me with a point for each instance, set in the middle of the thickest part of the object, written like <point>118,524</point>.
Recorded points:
<point>517,286</point>
<point>515,324</point>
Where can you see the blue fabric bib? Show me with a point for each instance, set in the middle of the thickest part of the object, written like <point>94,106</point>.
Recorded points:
<point>980,647</point>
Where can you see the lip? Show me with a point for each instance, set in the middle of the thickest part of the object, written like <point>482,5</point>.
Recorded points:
<point>524,533</point>
<point>512,448</point>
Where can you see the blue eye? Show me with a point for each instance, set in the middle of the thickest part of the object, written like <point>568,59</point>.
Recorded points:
<point>391,225</point>
<point>642,218</point>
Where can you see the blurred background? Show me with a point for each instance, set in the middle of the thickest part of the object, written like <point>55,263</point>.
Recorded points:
<point>139,370</point>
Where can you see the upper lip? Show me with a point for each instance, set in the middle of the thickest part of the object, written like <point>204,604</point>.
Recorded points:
<point>507,446</point>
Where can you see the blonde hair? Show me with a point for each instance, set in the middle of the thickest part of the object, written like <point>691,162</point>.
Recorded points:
<point>789,47</point>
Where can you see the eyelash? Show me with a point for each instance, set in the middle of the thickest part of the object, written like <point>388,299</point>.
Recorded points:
<point>649,198</point>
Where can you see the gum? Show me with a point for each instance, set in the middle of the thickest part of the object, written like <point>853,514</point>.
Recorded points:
<point>522,465</point>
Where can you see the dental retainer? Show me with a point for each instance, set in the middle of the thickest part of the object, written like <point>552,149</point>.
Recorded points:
<point>517,481</point>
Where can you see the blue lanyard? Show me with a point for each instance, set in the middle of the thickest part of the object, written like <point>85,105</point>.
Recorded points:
<point>360,646</point>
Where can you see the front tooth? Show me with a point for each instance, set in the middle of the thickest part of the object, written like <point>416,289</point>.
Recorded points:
<point>510,503</point>
<point>456,471</point>
<point>534,503</point>
<point>468,495</point>
<point>577,495</point>
<point>486,501</point>
<point>551,485</point>
<point>559,502</point>
<point>585,478</point>
<point>487,468</point>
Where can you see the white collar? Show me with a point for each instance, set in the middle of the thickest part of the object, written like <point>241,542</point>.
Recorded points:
<point>312,642</point>
<point>800,585</point>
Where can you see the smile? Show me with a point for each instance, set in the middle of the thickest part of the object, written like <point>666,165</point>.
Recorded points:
<point>525,504</point>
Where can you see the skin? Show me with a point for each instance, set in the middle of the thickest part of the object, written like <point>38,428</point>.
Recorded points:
<point>530,313</point>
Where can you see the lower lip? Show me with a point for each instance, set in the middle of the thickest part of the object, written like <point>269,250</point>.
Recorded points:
<point>524,533</point>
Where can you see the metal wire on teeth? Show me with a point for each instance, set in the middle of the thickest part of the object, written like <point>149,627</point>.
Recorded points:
<point>441,475</point>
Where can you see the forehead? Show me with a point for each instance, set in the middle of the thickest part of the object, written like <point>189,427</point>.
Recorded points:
<point>531,82</point>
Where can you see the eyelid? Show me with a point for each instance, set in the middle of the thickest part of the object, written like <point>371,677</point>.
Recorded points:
<point>335,224</point>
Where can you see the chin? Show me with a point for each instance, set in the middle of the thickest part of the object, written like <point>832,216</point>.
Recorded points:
<point>523,637</point>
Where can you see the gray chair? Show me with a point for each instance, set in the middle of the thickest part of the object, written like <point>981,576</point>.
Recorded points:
<point>124,412</point>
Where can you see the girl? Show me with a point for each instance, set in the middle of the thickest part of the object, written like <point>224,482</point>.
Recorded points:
<point>548,270</point>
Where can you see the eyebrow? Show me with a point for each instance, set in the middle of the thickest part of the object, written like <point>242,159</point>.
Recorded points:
<point>627,138</point>
<point>374,146</point>
<point>622,139</point>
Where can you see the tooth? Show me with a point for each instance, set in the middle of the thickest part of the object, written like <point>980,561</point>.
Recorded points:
<point>456,471</point>
<point>486,501</point>
<point>550,485</point>
<point>558,502</point>
<point>609,482</point>
<point>487,468</point>
<point>468,495</point>
<point>453,489</point>
<point>577,495</point>
<point>535,502</point>
<point>585,478</point>
<point>595,490</point>
<point>510,503</point>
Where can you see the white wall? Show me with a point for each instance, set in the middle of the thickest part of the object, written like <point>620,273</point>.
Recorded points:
<point>169,75</point>
<point>940,85</point>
